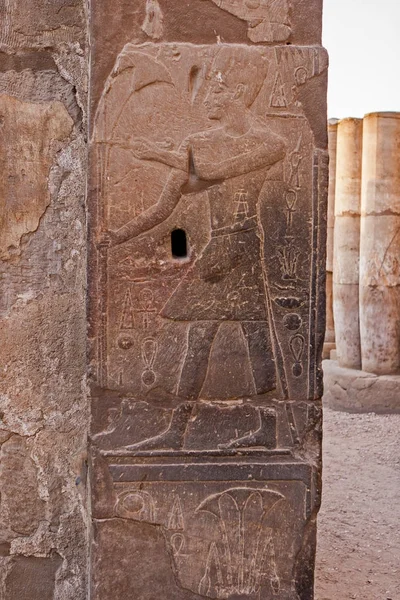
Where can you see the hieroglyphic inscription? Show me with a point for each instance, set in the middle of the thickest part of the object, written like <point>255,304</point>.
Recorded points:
<point>278,97</point>
<point>207,190</point>
<point>246,543</point>
<point>209,291</point>
<point>225,538</point>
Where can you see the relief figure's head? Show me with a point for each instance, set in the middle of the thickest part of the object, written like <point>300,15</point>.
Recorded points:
<point>234,81</point>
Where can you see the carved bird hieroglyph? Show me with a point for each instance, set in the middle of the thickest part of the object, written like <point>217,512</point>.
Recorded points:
<point>268,20</point>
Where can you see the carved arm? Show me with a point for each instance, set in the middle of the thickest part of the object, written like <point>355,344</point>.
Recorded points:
<point>156,214</point>
<point>267,154</point>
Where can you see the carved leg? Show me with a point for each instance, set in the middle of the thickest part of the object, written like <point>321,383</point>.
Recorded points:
<point>261,356</point>
<point>264,436</point>
<point>194,370</point>
<point>200,339</point>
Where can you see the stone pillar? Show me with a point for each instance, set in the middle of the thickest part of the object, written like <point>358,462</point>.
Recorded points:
<point>207,201</point>
<point>380,245</point>
<point>330,322</point>
<point>43,400</point>
<point>347,243</point>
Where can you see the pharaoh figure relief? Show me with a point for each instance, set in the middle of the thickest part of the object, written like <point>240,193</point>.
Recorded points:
<point>211,143</point>
<point>207,188</point>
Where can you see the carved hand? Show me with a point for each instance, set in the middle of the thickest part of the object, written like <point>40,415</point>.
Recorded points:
<point>107,238</point>
<point>143,149</point>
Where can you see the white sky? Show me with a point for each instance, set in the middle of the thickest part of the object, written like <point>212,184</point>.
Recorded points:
<point>363,41</point>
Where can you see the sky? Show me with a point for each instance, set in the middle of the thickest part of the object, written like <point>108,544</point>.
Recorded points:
<point>363,41</point>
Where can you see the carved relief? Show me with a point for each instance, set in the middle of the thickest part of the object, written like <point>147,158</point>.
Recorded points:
<point>127,320</point>
<point>278,96</point>
<point>291,200</point>
<point>149,353</point>
<point>227,277</point>
<point>137,505</point>
<point>288,257</point>
<point>225,539</point>
<point>206,343</point>
<point>295,159</point>
<point>245,553</point>
<point>268,20</point>
<point>175,516</point>
<point>297,347</point>
<point>138,428</point>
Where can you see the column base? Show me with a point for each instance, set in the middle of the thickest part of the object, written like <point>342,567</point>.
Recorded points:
<point>355,391</point>
<point>328,348</point>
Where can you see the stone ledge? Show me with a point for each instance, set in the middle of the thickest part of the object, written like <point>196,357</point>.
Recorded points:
<point>360,392</point>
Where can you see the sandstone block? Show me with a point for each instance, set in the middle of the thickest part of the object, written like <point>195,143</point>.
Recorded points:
<point>208,185</point>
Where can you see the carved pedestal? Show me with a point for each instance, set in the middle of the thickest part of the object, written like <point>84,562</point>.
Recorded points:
<point>208,190</point>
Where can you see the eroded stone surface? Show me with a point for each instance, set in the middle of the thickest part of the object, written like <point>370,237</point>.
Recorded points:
<point>43,414</point>
<point>31,132</point>
<point>31,578</point>
<point>40,23</point>
<point>207,202</point>
<point>22,512</point>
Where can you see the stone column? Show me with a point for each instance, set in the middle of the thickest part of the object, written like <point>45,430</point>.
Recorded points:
<point>380,245</point>
<point>347,242</point>
<point>330,322</point>
<point>207,202</point>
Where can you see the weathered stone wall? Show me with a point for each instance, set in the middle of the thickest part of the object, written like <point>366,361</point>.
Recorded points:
<point>43,408</point>
<point>224,393</point>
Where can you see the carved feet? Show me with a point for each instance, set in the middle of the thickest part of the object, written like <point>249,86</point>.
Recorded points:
<point>264,436</point>
<point>173,437</point>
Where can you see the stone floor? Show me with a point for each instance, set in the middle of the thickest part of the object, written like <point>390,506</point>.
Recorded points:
<point>359,524</point>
